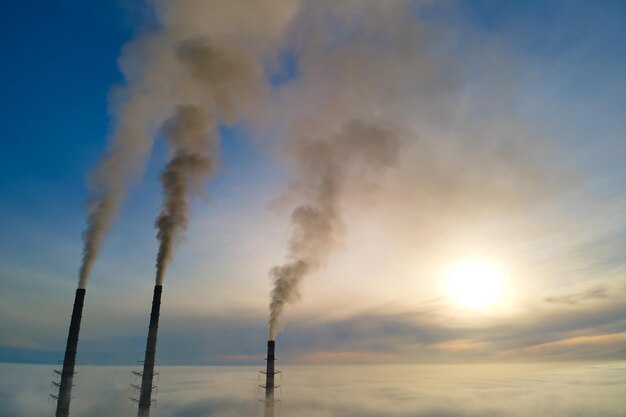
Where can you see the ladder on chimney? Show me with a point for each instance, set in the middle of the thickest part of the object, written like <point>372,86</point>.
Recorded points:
<point>56,385</point>
<point>275,386</point>
<point>261,385</point>
<point>134,388</point>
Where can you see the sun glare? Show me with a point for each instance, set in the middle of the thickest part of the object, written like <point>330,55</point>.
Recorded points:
<point>475,283</point>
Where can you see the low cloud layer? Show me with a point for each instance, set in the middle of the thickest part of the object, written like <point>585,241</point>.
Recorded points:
<point>396,391</point>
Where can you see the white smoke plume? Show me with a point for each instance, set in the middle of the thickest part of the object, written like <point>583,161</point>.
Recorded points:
<point>328,168</point>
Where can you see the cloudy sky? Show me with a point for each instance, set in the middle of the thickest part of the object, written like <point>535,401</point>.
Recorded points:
<point>386,144</point>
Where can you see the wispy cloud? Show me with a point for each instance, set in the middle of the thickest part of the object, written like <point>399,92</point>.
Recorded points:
<point>351,357</point>
<point>602,346</point>
<point>595,293</point>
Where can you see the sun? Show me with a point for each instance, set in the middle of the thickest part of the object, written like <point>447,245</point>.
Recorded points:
<point>475,283</point>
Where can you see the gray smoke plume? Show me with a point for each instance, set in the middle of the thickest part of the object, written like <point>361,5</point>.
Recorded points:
<point>190,133</point>
<point>192,58</point>
<point>328,168</point>
<point>228,79</point>
<point>100,213</point>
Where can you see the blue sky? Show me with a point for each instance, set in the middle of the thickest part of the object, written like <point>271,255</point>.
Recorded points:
<point>59,63</point>
<point>518,147</point>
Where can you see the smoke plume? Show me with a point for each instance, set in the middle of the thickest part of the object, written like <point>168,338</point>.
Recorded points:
<point>190,134</point>
<point>228,79</point>
<point>328,168</point>
<point>192,58</point>
<point>100,214</point>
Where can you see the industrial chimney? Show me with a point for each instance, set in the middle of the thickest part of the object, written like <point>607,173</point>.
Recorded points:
<point>269,379</point>
<point>69,361</point>
<point>145,396</point>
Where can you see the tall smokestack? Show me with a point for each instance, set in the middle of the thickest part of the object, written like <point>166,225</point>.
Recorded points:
<point>69,361</point>
<point>269,379</point>
<point>145,396</point>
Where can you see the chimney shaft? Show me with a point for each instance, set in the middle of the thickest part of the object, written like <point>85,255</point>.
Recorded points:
<point>69,361</point>
<point>145,396</point>
<point>269,379</point>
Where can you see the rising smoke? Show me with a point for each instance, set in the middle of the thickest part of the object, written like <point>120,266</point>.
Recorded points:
<point>357,63</point>
<point>190,134</point>
<point>329,168</point>
<point>228,79</point>
<point>192,62</point>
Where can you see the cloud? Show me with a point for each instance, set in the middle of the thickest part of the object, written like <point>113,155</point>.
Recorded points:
<point>239,359</point>
<point>351,357</point>
<point>432,332</point>
<point>519,390</point>
<point>601,345</point>
<point>459,345</point>
<point>595,293</point>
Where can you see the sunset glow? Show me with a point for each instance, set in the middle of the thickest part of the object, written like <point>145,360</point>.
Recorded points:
<point>408,208</point>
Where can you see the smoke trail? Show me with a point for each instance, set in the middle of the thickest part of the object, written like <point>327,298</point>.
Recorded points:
<point>193,57</point>
<point>190,134</point>
<point>122,162</point>
<point>328,167</point>
<point>228,79</point>
<point>98,221</point>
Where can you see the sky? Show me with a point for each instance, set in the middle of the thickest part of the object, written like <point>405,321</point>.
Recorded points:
<point>448,131</point>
